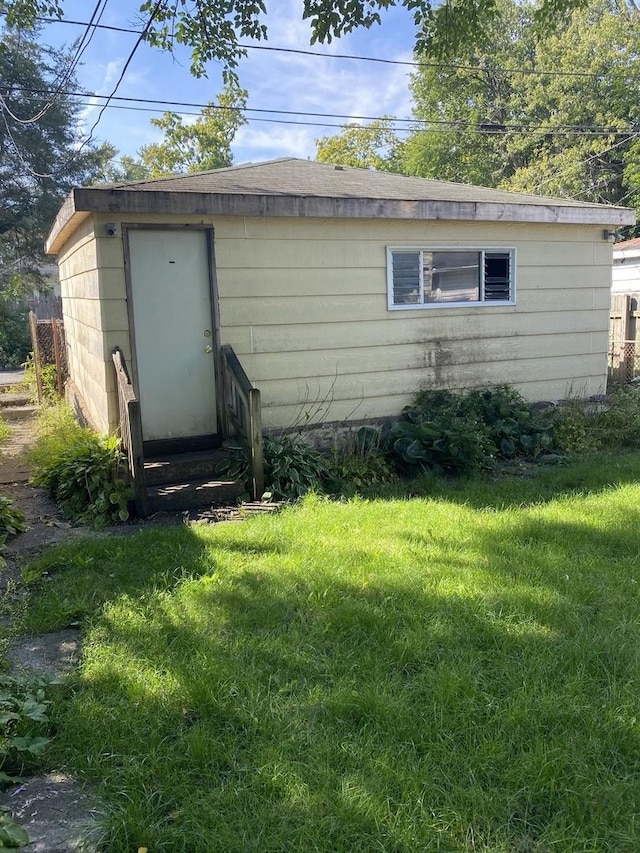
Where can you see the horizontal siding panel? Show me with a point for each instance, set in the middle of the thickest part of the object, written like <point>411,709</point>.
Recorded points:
<point>312,393</point>
<point>564,300</point>
<point>112,284</point>
<point>302,309</point>
<point>567,278</point>
<point>114,315</point>
<point>415,230</point>
<point>273,282</point>
<point>300,255</point>
<point>330,254</point>
<point>430,354</point>
<point>84,285</point>
<point>485,323</point>
<point>345,307</point>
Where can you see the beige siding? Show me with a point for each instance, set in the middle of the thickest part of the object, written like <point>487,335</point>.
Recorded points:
<point>304,304</point>
<point>80,286</point>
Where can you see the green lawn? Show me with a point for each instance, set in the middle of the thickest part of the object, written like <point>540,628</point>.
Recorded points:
<point>458,672</point>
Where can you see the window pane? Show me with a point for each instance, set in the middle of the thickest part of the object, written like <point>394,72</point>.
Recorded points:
<point>453,277</point>
<point>497,276</point>
<point>406,278</point>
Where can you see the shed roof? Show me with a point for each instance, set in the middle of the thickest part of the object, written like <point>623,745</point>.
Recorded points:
<point>628,246</point>
<point>294,187</point>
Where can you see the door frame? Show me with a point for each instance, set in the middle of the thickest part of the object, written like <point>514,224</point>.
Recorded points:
<point>182,444</point>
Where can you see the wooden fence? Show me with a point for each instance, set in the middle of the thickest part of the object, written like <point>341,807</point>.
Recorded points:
<point>624,338</point>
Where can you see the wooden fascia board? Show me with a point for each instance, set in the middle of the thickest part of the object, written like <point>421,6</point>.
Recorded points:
<point>123,202</point>
<point>65,223</point>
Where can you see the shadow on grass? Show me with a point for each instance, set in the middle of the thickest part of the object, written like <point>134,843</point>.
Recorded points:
<point>292,707</point>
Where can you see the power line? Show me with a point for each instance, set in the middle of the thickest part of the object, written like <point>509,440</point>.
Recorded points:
<point>65,75</point>
<point>128,61</point>
<point>400,62</point>
<point>420,124</point>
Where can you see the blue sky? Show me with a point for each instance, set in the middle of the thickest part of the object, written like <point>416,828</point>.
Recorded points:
<point>275,81</point>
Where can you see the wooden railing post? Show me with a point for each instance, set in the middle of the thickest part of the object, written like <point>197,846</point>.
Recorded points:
<point>243,415</point>
<point>131,431</point>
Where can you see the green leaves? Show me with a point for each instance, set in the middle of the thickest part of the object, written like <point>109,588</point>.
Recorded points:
<point>198,146</point>
<point>443,431</point>
<point>82,471</point>
<point>24,720</point>
<point>12,836</point>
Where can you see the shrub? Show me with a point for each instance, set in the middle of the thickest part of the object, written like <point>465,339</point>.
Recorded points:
<point>463,432</point>
<point>619,424</point>
<point>574,428</point>
<point>82,471</point>
<point>292,468</point>
<point>360,466</point>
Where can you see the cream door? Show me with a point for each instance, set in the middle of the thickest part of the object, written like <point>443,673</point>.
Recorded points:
<point>173,325</point>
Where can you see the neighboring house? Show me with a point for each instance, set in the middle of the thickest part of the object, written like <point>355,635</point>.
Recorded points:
<point>626,267</point>
<point>342,291</point>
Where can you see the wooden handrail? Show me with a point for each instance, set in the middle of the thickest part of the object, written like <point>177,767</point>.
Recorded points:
<point>131,431</point>
<point>244,415</point>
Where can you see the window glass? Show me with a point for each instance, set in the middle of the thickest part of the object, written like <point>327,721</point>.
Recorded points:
<point>406,278</point>
<point>422,277</point>
<point>453,276</point>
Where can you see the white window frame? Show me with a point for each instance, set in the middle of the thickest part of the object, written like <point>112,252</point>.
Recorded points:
<point>439,247</point>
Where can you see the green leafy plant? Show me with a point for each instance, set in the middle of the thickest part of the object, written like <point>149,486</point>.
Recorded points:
<point>83,472</point>
<point>24,723</point>
<point>467,431</point>
<point>360,466</point>
<point>15,339</point>
<point>12,519</point>
<point>12,835</point>
<point>619,424</point>
<point>291,467</point>
<point>12,522</point>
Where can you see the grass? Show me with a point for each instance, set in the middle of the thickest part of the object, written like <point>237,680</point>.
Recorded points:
<point>5,431</point>
<point>453,672</point>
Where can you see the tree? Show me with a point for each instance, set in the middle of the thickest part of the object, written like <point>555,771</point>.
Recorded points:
<point>203,145</point>
<point>40,160</point>
<point>213,29</point>
<point>369,146</point>
<point>557,117</point>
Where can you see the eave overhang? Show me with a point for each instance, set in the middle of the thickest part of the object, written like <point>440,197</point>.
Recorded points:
<point>120,203</point>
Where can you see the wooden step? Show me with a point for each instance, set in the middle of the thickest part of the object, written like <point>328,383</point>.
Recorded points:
<point>11,399</point>
<point>182,467</point>
<point>193,494</point>
<point>18,413</point>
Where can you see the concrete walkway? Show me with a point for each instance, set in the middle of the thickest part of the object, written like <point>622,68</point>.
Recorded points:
<point>11,377</point>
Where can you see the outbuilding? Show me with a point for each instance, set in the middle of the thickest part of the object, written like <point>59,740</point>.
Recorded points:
<point>340,292</point>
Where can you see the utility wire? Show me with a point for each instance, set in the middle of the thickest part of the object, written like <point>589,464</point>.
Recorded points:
<point>128,61</point>
<point>584,162</point>
<point>66,74</point>
<point>421,124</point>
<point>408,63</point>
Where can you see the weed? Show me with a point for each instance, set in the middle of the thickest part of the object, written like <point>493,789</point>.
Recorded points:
<point>5,430</point>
